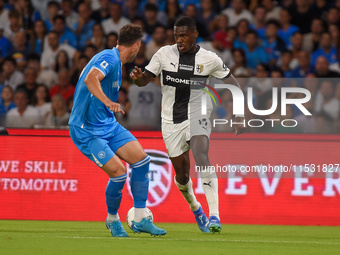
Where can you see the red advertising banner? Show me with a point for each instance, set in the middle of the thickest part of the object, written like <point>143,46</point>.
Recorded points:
<point>44,176</point>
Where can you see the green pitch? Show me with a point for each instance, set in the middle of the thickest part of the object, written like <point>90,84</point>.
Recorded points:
<point>70,238</point>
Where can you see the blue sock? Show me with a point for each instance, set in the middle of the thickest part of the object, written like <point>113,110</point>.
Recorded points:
<point>139,182</point>
<point>113,193</point>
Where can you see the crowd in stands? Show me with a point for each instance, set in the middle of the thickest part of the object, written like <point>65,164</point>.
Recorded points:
<point>44,45</point>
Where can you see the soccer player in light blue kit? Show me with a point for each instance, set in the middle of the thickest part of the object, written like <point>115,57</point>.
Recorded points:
<point>103,140</point>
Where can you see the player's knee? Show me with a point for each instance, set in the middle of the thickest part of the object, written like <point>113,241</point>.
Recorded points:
<point>182,178</point>
<point>116,171</point>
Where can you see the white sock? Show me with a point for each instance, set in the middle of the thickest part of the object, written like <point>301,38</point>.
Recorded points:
<point>210,186</point>
<point>112,217</point>
<point>139,214</point>
<point>188,194</point>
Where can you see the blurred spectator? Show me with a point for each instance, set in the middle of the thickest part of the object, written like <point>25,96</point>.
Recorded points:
<point>287,29</point>
<point>130,9</point>
<point>49,55</point>
<point>58,117</point>
<point>311,40</point>
<point>6,103</point>
<point>37,39</point>
<point>98,37</point>
<point>145,106</point>
<point>240,66</point>
<point>255,54</point>
<point>219,29</point>
<point>53,9</point>
<point>83,27</point>
<point>326,49</point>
<point>238,12</point>
<point>333,30</point>
<point>90,50</point>
<point>125,106</point>
<point>296,44</point>
<point>272,11</point>
<point>302,15</point>
<point>61,61</point>
<point>80,64</point>
<point>66,35</point>
<point>157,41</point>
<point>259,24</point>
<point>151,22</point>
<point>111,40</point>
<point>103,12</point>
<point>332,16</point>
<point>191,11</point>
<point>322,7</point>
<point>219,48</point>
<point>14,26</point>
<point>5,44</point>
<point>242,29</point>
<point>11,76</point>
<point>170,39</point>
<point>286,63</point>
<point>41,100</point>
<point>326,107</point>
<point>322,68</point>
<point>116,20</point>
<point>30,84</point>
<point>45,76</point>
<point>140,22</point>
<point>41,7</point>
<point>273,44</point>
<point>23,115</point>
<point>20,46</point>
<point>69,104</point>
<point>304,66</point>
<point>307,124</point>
<point>206,13</point>
<point>172,11</point>
<point>4,19</point>
<point>64,86</point>
<point>70,15</point>
<point>28,14</point>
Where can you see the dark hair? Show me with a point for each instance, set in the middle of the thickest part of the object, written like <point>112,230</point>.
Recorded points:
<point>151,7</point>
<point>10,59</point>
<point>242,53</point>
<point>273,22</point>
<point>277,69</point>
<point>57,67</point>
<point>129,34</point>
<point>55,3</point>
<point>33,56</point>
<point>47,98</point>
<point>61,17</point>
<point>252,32</point>
<point>186,21</point>
<point>54,32</point>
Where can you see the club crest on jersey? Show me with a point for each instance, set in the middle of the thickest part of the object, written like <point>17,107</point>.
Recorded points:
<point>199,68</point>
<point>115,84</point>
<point>160,177</point>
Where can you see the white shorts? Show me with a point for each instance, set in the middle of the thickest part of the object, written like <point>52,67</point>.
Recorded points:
<point>177,136</point>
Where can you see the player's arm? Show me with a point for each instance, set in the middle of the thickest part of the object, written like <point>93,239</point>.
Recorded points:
<point>140,78</point>
<point>92,81</point>
<point>239,128</point>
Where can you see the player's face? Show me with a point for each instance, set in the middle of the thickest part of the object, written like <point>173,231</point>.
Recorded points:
<point>185,39</point>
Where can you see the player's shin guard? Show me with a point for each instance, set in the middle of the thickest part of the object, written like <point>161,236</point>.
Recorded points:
<point>188,194</point>
<point>139,182</point>
<point>113,193</point>
<point>210,186</point>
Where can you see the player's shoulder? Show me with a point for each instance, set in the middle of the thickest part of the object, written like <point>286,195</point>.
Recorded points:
<point>168,49</point>
<point>207,53</point>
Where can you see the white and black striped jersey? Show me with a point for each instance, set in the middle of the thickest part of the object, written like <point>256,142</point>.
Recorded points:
<point>180,73</point>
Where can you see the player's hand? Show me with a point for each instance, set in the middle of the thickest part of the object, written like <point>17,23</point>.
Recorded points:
<point>136,73</point>
<point>115,107</point>
<point>239,128</point>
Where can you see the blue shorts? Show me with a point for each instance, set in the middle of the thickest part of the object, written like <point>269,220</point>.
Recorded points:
<point>100,146</point>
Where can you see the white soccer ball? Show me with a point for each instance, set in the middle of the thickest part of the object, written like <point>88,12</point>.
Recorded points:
<point>131,214</point>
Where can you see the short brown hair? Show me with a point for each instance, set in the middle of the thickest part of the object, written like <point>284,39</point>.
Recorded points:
<point>129,34</point>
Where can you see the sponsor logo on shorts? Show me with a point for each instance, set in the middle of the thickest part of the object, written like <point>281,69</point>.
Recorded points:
<point>160,177</point>
<point>101,154</point>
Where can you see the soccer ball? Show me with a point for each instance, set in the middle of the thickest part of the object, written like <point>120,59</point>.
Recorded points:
<point>131,214</point>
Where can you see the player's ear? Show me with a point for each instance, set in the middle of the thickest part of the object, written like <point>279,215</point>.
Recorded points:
<point>196,33</point>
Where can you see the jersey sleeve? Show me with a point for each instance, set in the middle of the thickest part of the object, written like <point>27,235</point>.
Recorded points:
<point>220,70</point>
<point>105,63</point>
<point>155,64</point>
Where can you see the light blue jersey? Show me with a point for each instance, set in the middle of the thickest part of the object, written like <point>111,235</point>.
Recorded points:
<point>88,111</point>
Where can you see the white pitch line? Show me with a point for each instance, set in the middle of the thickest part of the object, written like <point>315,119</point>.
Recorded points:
<point>201,240</point>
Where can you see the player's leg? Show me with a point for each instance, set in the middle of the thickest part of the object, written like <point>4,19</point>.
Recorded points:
<point>200,148</point>
<point>184,183</point>
<point>113,193</point>
<point>133,153</point>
